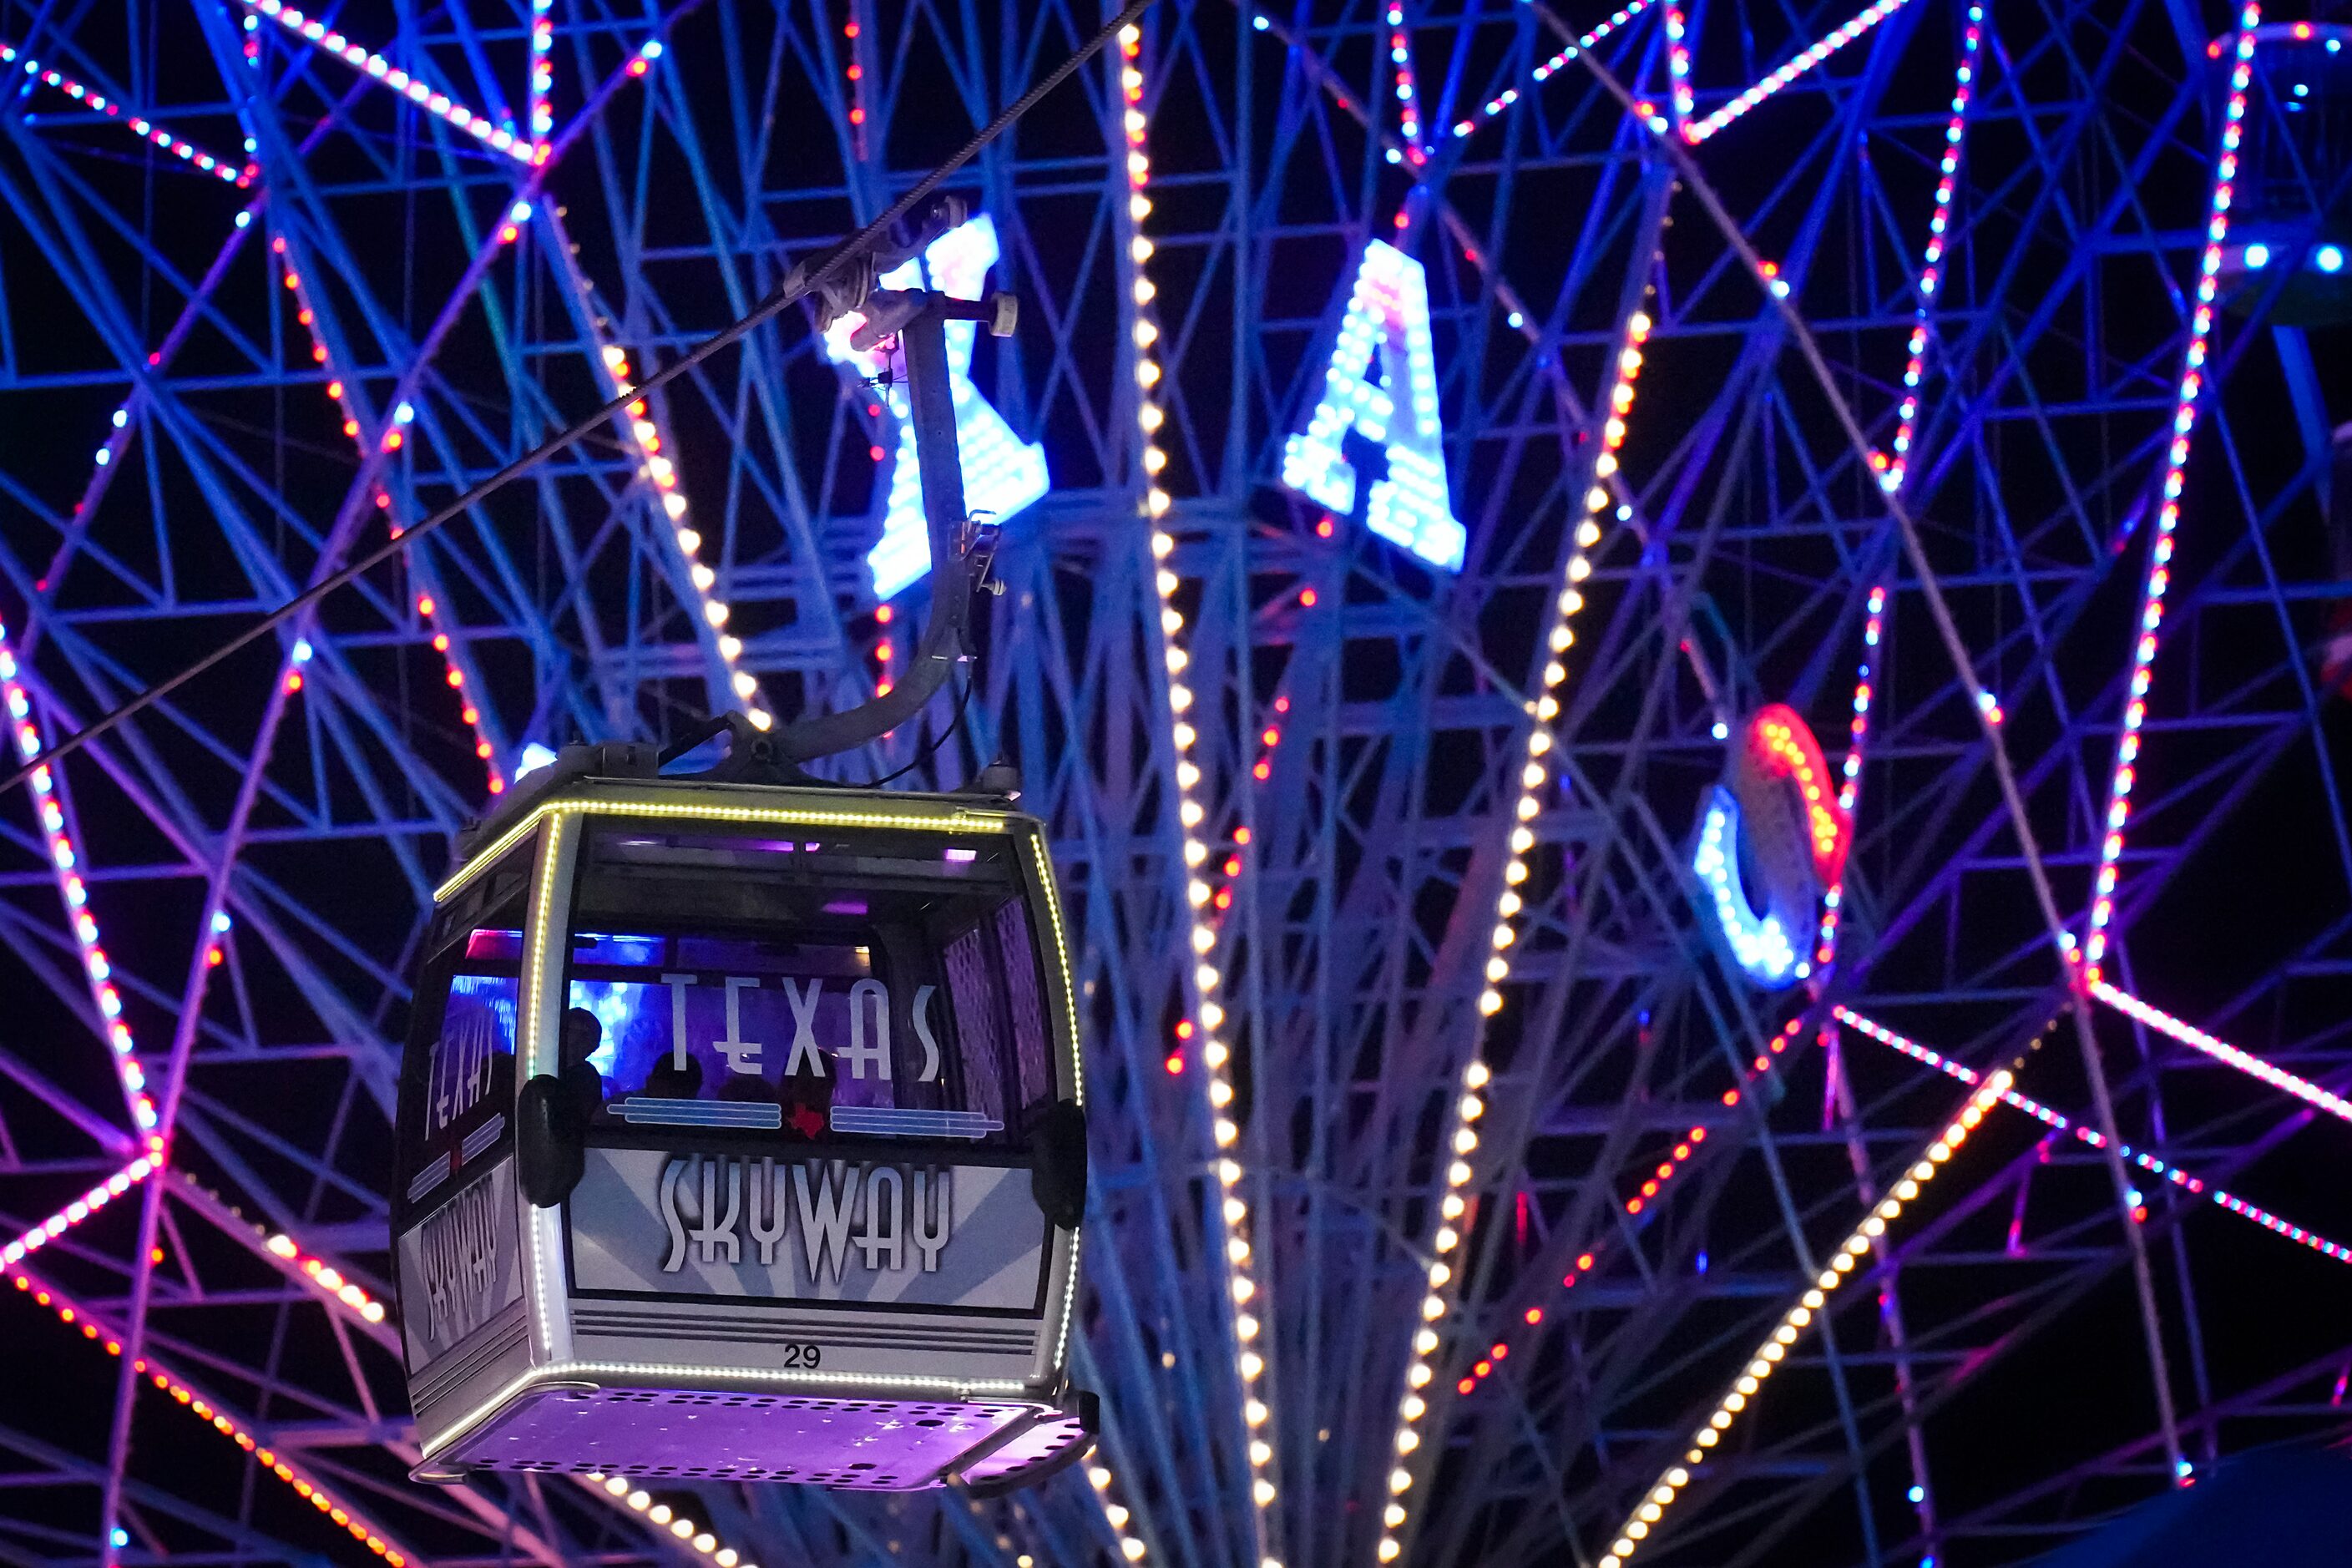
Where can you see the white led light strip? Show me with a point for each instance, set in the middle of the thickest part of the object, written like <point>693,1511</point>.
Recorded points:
<point>2222,1051</point>
<point>1232,1212</point>
<point>65,863</point>
<point>1462,1137</point>
<point>1775,1350</point>
<point>2167,516</point>
<point>422,94</point>
<point>1697,131</point>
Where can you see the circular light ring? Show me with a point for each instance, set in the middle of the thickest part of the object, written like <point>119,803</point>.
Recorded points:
<point>1779,811</point>
<point>1763,944</point>
<point>1788,794</point>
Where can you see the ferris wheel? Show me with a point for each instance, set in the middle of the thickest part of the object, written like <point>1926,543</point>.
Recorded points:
<point>1677,665</point>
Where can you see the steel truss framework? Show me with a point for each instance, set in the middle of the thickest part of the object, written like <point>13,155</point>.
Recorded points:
<point>215,387</point>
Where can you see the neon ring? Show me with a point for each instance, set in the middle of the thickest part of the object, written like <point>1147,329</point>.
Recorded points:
<point>1778,814</point>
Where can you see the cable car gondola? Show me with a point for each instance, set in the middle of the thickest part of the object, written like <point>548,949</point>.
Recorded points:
<point>741,1133</point>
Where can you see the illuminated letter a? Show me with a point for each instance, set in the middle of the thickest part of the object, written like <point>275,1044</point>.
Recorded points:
<point>1387,321</point>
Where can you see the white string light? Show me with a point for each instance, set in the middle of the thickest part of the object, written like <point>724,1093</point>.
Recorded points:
<point>1544,72</point>
<point>1894,471</point>
<point>659,469</point>
<point>1873,628</point>
<point>682,1527</point>
<point>1535,772</point>
<point>2222,1051</point>
<point>1697,131</point>
<point>73,1214</point>
<point>1408,92</point>
<point>542,79</point>
<point>1893,474</point>
<point>424,95</point>
<point>1678,65</point>
<point>1130,1545</point>
<point>1231,1209</point>
<point>1774,1350</point>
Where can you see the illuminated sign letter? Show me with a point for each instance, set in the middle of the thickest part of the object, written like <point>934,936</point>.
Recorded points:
<point>767,1194</point>
<point>858,1054</point>
<point>923,1032</point>
<point>882,1239</point>
<point>803,1003</point>
<point>1002,473</point>
<point>1386,326</point>
<point>742,1055</point>
<point>824,1215</point>
<point>678,985</point>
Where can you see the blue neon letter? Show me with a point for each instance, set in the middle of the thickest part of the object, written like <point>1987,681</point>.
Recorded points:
<point>1002,473</point>
<point>1388,313</point>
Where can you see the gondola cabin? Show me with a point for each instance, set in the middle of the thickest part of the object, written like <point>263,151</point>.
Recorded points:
<point>741,1139</point>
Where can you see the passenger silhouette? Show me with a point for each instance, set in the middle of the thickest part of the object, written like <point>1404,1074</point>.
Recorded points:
<point>582,1036</point>
<point>669,1081</point>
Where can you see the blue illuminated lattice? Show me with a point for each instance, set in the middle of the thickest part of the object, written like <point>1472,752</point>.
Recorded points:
<point>1002,473</point>
<point>1759,943</point>
<point>1388,313</point>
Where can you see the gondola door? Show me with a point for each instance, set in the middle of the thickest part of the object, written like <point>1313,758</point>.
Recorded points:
<point>458,1245</point>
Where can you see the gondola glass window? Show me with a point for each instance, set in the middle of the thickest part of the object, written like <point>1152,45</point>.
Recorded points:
<point>905,1003</point>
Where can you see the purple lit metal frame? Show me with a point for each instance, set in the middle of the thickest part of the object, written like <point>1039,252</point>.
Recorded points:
<point>541,127</point>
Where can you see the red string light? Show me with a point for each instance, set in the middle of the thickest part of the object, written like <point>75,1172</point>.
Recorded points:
<point>388,437</point>
<point>190,1397</point>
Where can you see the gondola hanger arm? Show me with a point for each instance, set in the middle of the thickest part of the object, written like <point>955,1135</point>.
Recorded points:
<point>961,548</point>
